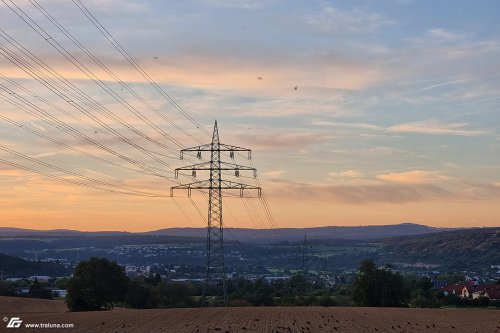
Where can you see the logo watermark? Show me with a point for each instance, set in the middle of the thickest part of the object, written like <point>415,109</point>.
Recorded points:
<point>16,322</point>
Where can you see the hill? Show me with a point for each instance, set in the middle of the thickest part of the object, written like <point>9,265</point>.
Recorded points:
<point>455,249</point>
<point>249,235</point>
<point>320,233</point>
<point>19,232</point>
<point>17,267</point>
<point>341,248</point>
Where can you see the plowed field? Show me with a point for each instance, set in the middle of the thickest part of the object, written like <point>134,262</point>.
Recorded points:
<point>27,305</point>
<point>276,319</point>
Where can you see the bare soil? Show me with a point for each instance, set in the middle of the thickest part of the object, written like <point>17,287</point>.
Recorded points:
<point>27,305</point>
<point>267,319</point>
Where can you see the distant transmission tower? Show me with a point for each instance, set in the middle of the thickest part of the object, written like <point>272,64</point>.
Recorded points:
<point>215,184</point>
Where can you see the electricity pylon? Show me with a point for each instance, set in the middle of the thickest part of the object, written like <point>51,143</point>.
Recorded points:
<point>215,185</point>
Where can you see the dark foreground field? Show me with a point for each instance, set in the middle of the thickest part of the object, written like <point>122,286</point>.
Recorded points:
<point>275,319</point>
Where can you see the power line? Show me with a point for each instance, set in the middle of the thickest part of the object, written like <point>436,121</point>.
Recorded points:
<point>56,123</point>
<point>86,71</point>
<point>11,57</point>
<point>66,146</point>
<point>135,63</point>
<point>87,100</point>
<point>93,183</point>
<point>109,72</point>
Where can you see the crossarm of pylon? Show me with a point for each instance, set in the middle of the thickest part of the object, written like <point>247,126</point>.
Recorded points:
<point>225,185</point>
<point>200,185</point>
<point>199,166</point>
<point>230,185</point>
<point>224,166</point>
<point>206,147</point>
<point>232,149</point>
<point>209,147</point>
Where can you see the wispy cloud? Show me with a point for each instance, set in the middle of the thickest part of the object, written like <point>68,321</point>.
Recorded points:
<point>38,127</point>
<point>435,128</point>
<point>347,173</point>
<point>241,4</point>
<point>280,139</point>
<point>364,194</point>
<point>444,34</point>
<point>445,84</point>
<point>431,126</point>
<point>322,122</point>
<point>47,154</point>
<point>414,177</point>
<point>115,6</point>
<point>356,20</point>
<point>274,174</point>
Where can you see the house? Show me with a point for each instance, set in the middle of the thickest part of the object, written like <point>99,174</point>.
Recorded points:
<point>22,291</point>
<point>59,292</point>
<point>40,278</point>
<point>492,292</point>
<point>472,290</point>
<point>439,283</point>
<point>469,289</point>
<point>15,279</point>
<point>457,288</point>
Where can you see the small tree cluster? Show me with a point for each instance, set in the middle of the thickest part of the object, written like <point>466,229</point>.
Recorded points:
<point>378,286</point>
<point>97,283</point>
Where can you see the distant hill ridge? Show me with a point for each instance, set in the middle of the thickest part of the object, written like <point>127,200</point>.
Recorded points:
<point>247,234</point>
<point>14,267</point>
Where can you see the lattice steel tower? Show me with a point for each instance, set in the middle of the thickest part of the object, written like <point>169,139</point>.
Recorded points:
<point>215,185</point>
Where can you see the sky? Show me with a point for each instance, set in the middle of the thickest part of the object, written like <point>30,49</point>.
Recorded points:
<point>357,112</point>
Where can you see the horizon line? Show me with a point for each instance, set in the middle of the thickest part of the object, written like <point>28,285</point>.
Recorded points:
<point>248,228</point>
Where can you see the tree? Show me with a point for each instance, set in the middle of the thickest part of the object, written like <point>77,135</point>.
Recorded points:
<point>175,294</point>
<point>96,284</point>
<point>377,286</point>
<point>38,291</point>
<point>424,295</point>
<point>139,296</point>
<point>6,289</point>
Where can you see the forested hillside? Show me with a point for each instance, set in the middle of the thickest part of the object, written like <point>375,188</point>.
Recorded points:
<point>17,267</point>
<point>468,248</point>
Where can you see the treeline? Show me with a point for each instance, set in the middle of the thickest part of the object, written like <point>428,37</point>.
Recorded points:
<point>100,284</point>
<point>35,289</point>
<point>375,286</point>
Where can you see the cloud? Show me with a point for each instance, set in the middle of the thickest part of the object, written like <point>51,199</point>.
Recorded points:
<point>435,128</point>
<point>347,174</point>
<point>444,34</point>
<point>240,4</point>
<point>414,177</point>
<point>204,67</point>
<point>114,6</point>
<point>38,127</point>
<point>5,171</point>
<point>319,122</point>
<point>363,194</point>
<point>279,140</point>
<point>336,20</point>
<point>274,173</point>
<point>432,126</point>
<point>445,84</point>
<point>46,154</point>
